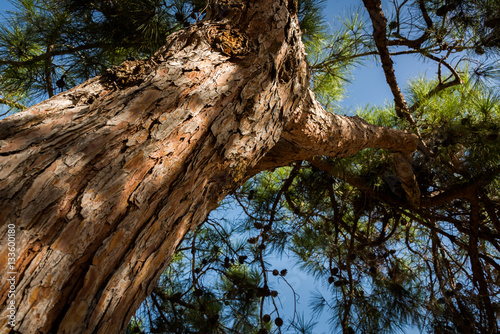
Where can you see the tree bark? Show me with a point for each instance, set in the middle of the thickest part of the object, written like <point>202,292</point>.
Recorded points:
<point>100,183</point>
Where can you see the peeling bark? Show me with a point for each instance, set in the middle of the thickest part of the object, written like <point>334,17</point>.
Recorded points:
<point>103,181</point>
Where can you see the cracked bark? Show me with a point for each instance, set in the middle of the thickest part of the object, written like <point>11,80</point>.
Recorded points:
<point>103,181</point>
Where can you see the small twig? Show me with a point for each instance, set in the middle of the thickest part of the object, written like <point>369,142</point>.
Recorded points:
<point>441,84</point>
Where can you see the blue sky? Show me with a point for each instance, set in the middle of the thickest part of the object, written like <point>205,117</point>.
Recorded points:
<point>368,85</point>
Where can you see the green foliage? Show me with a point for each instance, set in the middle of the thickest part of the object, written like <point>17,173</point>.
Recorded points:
<point>476,20</point>
<point>332,56</point>
<point>135,326</point>
<point>49,46</point>
<point>311,19</point>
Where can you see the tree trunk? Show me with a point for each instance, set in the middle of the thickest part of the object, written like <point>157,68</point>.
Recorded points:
<point>99,184</point>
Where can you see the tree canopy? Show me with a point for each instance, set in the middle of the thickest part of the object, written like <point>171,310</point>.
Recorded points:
<point>386,256</point>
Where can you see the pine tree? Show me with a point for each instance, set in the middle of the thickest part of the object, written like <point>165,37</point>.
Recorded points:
<point>106,178</point>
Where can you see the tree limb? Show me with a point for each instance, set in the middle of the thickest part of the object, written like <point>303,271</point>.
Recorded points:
<point>379,22</point>
<point>319,132</point>
<point>316,132</point>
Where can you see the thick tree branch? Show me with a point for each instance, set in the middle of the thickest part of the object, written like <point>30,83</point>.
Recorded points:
<point>322,133</point>
<point>316,132</point>
<point>433,200</point>
<point>461,191</point>
<point>379,22</point>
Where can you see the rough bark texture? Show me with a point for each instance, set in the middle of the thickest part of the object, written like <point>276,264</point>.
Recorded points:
<point>103,181</point>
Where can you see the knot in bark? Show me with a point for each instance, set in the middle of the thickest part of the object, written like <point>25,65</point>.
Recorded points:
<point>129,73</point>
<point>230,42</point>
